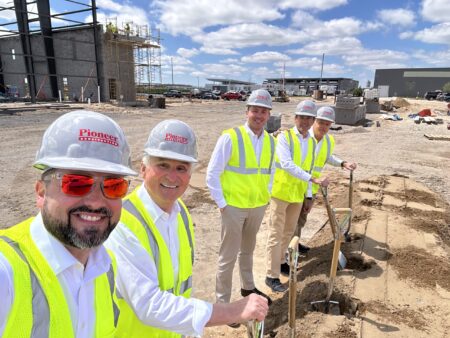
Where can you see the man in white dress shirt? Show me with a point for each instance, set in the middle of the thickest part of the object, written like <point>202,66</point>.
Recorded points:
<point>56,278</point>
<point>239,177</point>
<point>154,247</point>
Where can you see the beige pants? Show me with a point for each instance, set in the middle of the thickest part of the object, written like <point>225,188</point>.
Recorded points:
<point>283,220</point>
<point>302,220</point>
<point>238,240</point>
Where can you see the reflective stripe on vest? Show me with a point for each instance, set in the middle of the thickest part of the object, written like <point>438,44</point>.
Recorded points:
<point>242,169</point>
<point>41,312</point>
<point>287,187</point>
<point>47,314</point>
<point>131,208</point>
<point>317,168</point>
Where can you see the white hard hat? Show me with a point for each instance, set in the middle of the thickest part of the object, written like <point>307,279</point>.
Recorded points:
<point>86,141</point>
<point>306,108</point>
<point>326,113</point>
<point>174,140</point>
<point>260,98</point>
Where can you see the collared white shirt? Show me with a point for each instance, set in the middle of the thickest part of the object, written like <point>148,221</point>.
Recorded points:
<point>285,156</point>
<point>333,159</point>
<point>137,279</point>
<point>219,159</point>
<point>76,280</point>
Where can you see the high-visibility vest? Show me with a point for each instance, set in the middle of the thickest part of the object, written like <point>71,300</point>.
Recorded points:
<point>285,186</point>
<point>321,159</point>
<point>40,308</point>
<point>137,219</point>
<point>245,182</point>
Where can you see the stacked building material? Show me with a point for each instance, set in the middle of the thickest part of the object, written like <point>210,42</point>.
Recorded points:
<point>349,110</point>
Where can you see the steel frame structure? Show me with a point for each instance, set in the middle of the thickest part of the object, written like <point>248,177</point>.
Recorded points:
<point>21,27</point>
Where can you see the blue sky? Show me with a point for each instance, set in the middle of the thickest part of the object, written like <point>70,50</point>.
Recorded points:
<point>253,40</point>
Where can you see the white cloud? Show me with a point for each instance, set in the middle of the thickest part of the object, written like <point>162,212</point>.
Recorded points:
<point>439,33</point>
<point>217,50</point>
<point>221,70</point>
<point>189,17</point>
<point>123,12</point>
<point>187,53</point>
<point>377,58</point>
<point>435,59</point>
<point>314,64</point>
<point>397,17</point>
<point>230,60</point>
<point>435,10</point>
<point>249,35</point>
<point>406,35</point>
<point>335,46</point>
<point>265,57</point>
<point>175,60</point>
<point>317,29</point>
<point>320,5</point>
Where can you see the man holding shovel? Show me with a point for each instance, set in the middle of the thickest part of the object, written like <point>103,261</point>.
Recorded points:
<point>323,155</point>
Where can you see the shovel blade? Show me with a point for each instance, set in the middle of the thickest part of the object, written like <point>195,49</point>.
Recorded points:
<point>328,307</point>
<point>342,261</point>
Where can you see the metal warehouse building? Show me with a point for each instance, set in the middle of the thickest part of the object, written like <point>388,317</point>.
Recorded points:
<point>411,82</point>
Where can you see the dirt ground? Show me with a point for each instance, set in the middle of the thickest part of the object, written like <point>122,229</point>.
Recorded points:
<point>396,283</point>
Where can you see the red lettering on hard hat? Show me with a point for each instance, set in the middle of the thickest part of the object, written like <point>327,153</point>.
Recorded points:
<point>308,107</point>
<point>95,136</point>
<point>262,97</point>
<point>176,138</point>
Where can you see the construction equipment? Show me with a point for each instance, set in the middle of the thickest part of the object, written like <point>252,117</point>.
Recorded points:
<point>282,96</point>
<point>350,205</point>
<point>338,258</point>
<point>293,260</point>
<point>255,329</point>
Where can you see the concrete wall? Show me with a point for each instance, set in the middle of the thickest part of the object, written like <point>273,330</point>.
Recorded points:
<point>75,62</point>
<point>412,82</point>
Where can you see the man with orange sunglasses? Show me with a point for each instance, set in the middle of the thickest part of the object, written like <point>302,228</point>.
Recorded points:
<point>57,280</point>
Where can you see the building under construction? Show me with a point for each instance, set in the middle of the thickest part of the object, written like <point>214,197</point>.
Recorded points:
<point>76,61</point>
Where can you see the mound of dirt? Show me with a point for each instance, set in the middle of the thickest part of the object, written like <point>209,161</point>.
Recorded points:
<point>397,315</point>
<point>400,102</point>
<point>421,267</point>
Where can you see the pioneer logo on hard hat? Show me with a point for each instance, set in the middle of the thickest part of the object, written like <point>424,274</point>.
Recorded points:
<point>176,138</point>
<point>96,136</point>
<point>327,112</point>
<point>305,107</point>
<point>262,97</point>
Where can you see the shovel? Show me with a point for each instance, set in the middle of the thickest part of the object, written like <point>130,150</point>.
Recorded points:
<point>255,329</point>
<point>350,205</point>
<point>293,260</point>
<point>338,258</point>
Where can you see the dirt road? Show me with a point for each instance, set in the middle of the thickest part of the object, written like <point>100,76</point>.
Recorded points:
<point>398,283</point>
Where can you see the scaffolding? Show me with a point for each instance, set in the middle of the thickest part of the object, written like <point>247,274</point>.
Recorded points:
<point>146,52</point>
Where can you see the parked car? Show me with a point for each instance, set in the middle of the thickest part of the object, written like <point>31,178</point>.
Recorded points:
<point>444,97</point>
<point>217,92</point>
<point>173,93</point>
<point>209,96</point>
<point>232,96</point>
<point>432,95</point>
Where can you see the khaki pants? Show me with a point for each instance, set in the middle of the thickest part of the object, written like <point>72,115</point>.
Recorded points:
<point>238,240</point>
<point>283,220</point>
<point>302,220</point>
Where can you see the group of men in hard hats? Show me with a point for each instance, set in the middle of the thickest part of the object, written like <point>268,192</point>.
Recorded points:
<point>59,280</point>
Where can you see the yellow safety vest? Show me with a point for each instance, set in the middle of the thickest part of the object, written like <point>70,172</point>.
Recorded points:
<point>244,181</point>
<point>40,308</point>
<point>321,159</point>
<point>136,218</point>
<point>285,186</point>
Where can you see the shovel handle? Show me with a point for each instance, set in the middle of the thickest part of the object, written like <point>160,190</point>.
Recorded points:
<point>350,201</point>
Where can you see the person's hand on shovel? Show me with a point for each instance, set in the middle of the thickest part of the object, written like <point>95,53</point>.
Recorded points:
<point>348,165</point>
<point>322,181</point>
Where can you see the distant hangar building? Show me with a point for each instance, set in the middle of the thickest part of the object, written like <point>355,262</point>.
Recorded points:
<point>305,86</point>
<point>411,82</point>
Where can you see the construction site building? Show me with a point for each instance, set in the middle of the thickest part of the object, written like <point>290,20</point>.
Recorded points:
<point>306,86</point>
<point>411,82</point>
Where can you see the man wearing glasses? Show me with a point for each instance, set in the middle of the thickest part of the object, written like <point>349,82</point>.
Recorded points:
<point>56,278</point>
<point>154,247</point>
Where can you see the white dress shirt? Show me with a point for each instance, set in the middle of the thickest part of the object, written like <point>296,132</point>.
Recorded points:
<point>137,279</point>
<point>219,159</point>
<point>76,280</point>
